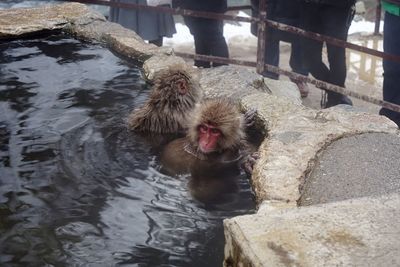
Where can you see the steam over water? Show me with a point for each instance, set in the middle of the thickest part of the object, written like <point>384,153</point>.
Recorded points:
<point>78,189</point>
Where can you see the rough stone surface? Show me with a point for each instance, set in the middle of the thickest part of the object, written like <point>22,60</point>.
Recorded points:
<point>295,137</point>
<point>81,22</point>
<point>21,21</point>
<point>123,41</point>
<point>236,83</point>
<point>357,232</point>
<point>282,88</point>
<point>232,82</point>
<point>356,166</point>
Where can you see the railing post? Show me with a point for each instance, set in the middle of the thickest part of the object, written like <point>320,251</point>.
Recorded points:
<point>261,34</point>
<point>377,17</point>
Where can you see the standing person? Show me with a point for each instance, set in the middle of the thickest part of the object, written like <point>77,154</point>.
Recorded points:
<point>391,69</point>
<point>149,25</point>
<point>287,12</point>
<point>208,34</point>
<point>331,18</point>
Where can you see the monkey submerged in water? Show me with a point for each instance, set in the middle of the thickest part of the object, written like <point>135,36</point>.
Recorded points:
<point>212,151</point>
<point>215,140</point>
<point>174,94</point>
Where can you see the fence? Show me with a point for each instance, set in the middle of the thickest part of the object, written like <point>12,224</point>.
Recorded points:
<point>263,24</point>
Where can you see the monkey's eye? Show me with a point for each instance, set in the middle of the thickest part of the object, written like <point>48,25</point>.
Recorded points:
<point>203,128</point>
<point>215,131</point>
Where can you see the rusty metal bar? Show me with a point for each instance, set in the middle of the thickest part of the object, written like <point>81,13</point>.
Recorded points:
<point>222,60</point>
<point>378,12</point>
<point>270,23</point>
<point>318,83</point>
<point>280,26</point>
<point>333,41</point>
<point>334,88</point>
<point>262,35</point>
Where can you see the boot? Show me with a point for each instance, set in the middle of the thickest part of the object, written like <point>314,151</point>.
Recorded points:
<point>337,99</point>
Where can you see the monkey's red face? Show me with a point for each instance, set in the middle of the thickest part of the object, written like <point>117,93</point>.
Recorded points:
<point>208,138</point>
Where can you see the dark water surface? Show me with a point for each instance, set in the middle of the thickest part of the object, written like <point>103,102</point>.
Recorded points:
<point>76,188</point>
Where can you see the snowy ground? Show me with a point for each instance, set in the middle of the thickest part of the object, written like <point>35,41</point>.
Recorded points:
<point>242,30</point>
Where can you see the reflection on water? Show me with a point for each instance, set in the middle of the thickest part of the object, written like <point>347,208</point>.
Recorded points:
<point>23,3</point>
<point>75,187</point>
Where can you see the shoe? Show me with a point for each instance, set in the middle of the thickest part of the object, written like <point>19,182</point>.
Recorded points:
<point>338,100</point>
<point>270,75</point>
<point>303,88</point>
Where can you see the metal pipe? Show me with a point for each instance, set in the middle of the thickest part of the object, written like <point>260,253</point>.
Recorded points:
<point>330,40</point>
<point>270,23</point>
<point>258,65</point>
<point>298,77</point>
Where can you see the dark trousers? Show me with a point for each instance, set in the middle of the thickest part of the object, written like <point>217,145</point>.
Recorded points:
<point>391,69</point>
<point>272,52</point>
<point>332,21</point>
<point>208,39</point>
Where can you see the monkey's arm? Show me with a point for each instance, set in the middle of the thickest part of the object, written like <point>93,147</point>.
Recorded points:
<point>248,163</point>
<point>250,157</point>
<point>249,117</point>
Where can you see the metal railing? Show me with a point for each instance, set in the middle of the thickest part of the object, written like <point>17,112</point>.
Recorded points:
<point>263,24</point>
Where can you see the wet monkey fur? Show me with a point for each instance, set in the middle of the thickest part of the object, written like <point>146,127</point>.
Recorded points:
<point>174,94</point>
<point>215,140</point>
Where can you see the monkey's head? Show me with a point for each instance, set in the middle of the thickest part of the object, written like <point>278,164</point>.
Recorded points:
<point>176,87</point>
<point>216,125</point>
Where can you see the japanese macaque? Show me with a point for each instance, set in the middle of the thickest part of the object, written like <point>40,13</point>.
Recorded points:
<point>175,92</point>
<point>212,151</point>
<point>214,137</point>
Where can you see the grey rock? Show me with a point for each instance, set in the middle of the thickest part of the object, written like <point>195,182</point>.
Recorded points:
<point>357,232</point>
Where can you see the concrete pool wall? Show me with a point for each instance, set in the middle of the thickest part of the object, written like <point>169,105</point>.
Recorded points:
<point>350,232</point>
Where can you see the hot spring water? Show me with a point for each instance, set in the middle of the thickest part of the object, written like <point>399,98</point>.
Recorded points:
<point>77,188</point>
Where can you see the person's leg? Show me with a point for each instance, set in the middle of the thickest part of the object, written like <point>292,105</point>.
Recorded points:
<point>296,58</point>
<point>201,48</point>
<point>391,69</point>
<point>296,63</point>
<point>157,42</point>
<point>271,53</point>
<point>337,25</point>
<point>197,28</point>
<point>310,20</point>
<point>215,40</point>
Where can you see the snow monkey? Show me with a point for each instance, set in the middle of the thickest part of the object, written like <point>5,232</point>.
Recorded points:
<point>174,94</point>
<point>215,139</point>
